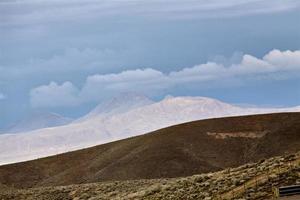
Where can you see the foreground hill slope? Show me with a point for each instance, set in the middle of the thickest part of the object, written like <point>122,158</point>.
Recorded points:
<point>181,150</point>
<point>250,181</point>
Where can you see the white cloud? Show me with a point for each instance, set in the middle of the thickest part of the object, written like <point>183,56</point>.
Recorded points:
<point>53,95</point>
<point>274,65</point>
<point>287,60</point>
<point>147,79</point>
<point>203,72</point>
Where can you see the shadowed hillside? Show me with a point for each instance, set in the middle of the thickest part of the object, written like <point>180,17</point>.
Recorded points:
<point>252,181</point>
<point>181,150</point>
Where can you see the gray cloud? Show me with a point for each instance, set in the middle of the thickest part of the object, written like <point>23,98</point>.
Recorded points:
<point>274,65</point>
<point>2,96</point>
<point>72,59</point>
<point>20,12</point>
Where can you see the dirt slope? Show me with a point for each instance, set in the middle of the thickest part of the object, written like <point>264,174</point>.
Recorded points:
<point>252,181</point>
<point>180,150</point>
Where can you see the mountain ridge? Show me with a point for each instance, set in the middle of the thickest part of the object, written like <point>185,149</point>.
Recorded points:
<point>38,120</point>
<point>117,105</point>
<point>102,129</point>
<point>179,150</point>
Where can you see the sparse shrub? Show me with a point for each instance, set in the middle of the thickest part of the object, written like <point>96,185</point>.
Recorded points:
<point>153,189</point>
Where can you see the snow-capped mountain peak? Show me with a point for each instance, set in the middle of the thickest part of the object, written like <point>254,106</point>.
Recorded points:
<point>190,99</point>
<point>118,104</point>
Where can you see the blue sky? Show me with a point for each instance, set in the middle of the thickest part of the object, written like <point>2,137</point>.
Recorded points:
<point>67,56</point>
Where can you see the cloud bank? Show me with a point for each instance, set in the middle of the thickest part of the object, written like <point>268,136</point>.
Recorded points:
<point>53,95</point>
<point>19,12</point>
<point>275,65</point>
<point>72,59</point>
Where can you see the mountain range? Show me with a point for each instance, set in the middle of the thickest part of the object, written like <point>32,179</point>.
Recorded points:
<point>122,117</point>
<point>177,151</point>
<point>38,120</point>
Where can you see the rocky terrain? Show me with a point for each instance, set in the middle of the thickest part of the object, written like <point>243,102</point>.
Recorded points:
<point>182,150</point>
<point>249,181</point>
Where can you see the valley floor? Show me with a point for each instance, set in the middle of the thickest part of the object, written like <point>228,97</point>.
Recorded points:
<point>250,181</point>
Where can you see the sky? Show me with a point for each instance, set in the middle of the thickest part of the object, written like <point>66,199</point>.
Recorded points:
<point>66,56</point>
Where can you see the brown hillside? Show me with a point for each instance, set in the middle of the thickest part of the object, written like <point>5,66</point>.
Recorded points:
<point>180,150</point>
<point>252,181</point>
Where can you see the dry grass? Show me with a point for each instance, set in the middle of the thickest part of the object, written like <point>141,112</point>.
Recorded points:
<point>232,183</point>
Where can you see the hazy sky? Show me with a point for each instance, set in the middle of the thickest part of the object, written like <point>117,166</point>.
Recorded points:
<point>66,56</point>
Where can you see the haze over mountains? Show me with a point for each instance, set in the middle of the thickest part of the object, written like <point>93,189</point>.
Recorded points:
<point>38,120</point>
<point>117,105</point>
<point>126,116</point>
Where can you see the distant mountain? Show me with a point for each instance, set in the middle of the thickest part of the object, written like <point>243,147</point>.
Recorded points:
<point>38,120</point>
<point>123,122</point>
<point>177,151</point>
<point>117,105</point>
